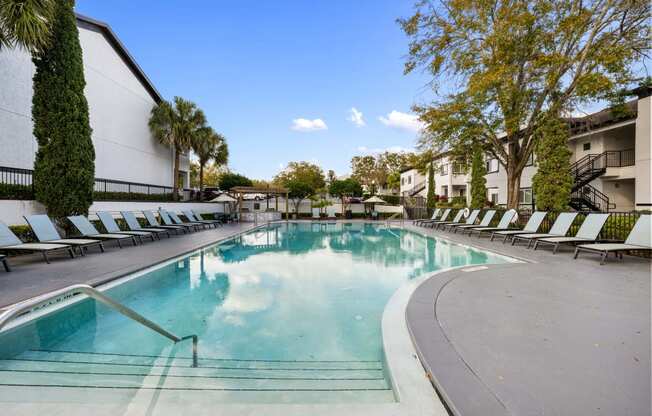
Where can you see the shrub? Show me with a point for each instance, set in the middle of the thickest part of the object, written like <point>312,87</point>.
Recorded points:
<point>64,168</point>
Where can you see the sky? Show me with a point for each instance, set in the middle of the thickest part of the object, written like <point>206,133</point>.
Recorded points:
<point>300,80</point>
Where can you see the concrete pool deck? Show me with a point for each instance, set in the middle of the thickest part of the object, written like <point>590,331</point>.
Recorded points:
<point>548,336</point>
<point>552,335</point>
<point>31,276</point>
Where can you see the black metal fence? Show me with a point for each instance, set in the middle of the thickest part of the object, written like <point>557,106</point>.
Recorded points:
<point>17,184</point>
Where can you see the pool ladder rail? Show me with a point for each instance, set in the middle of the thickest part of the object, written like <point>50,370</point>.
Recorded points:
<point>91,292</point>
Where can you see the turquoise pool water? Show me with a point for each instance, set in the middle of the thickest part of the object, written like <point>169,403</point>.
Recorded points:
<point>303,301</point>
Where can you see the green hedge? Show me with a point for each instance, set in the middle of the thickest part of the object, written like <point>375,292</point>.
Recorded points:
<point>13,191</point>
<point>130,196</point>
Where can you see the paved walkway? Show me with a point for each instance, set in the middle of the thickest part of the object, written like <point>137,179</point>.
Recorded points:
<point>552,336</point>
<point>31,276</point>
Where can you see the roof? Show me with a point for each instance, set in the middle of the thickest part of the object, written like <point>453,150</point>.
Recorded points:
<point>119,47</point>
<point>602,118</point>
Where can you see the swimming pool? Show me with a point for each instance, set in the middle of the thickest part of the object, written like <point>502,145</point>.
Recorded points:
<point>288,313</point>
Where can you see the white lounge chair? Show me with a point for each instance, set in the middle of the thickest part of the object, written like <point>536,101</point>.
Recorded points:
<point>503,224</point>
<point>469,221</point>
<point>435,214</point>
<point>486,220</point>
<point>588,232</point>
<point>47,233</point>
<point>638,239</point>
<point>87,229</point>
<point>532,226</point>
<point>9,242</point>
<point>559,229</point>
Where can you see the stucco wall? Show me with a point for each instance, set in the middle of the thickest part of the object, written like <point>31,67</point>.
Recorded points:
<point>643,154</point>
<point>119,108</point>
<point>11,211</point>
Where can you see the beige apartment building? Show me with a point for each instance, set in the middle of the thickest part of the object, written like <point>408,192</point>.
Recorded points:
<point>610,163</point>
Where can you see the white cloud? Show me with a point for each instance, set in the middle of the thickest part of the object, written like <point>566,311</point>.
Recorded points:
<point>403,121</point>
<point>305,125</point>
<point>356,117</point>
<point>391,149</point>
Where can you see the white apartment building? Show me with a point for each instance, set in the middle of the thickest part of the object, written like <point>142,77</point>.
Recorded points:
<point>120,98</point>
<point>610,160</point>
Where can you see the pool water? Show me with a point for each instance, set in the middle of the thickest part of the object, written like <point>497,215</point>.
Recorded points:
<point>293,307</point>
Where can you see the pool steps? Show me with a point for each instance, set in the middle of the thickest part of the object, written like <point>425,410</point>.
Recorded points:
<point>295,380</point>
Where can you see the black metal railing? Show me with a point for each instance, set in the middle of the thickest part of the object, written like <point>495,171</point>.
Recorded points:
<point>17,183</point>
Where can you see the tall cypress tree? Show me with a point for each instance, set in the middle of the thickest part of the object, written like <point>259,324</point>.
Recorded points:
<point>478,181</point>
<point>64,169</point>
<point>430,196</point>
<point>552,183</point>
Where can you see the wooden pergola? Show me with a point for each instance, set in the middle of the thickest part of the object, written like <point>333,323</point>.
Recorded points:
<point>240,191</point>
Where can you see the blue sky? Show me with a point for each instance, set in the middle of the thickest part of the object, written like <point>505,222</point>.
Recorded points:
<point>279,78</point>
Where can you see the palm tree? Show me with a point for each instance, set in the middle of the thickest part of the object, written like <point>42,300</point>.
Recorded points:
<point>209,145</point>
<point>175,125</point>
<point>26,23</point>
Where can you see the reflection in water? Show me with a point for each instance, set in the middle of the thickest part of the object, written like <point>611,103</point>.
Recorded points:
<point>290,292</point>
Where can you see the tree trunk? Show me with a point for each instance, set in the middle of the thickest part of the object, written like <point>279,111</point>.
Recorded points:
<point>177,161</point>
<point>201,182</point>
<point>513,188</point>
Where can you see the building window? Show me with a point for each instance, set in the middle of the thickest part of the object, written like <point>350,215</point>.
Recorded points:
<point>492,165</point>
<point>458,169</point>
<point>256,206</point>
<point>525,196</point>
<point>530,160</point>
<point>444,190</point>
<point>493,195</point>
<point>443,170</point>
<point>409,180</point>
<point>402,181</point>
<point>586,146</point>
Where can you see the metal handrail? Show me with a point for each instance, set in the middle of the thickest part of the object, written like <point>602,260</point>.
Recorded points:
<point>89,291</point>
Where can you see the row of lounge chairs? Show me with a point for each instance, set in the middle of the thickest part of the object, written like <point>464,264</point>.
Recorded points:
<point>50,240</point>
<point>585,240</point>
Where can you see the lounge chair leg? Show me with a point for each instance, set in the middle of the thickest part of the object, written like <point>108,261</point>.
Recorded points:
<point>71,252</point>
<point>577,252</point>
<point>492,237</point>
<point>536,244</point>
<point>554,249</point>
<point>6,264</point>
<point>505,239</point>
<point>82,251</point>
<point>529,243</point>
<point>603,257</point>
<point>133,240</point>
<point>45,257</point>
<point>101,247</point>
<point>119,244</point>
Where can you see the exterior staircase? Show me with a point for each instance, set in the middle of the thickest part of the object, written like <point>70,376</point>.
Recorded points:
<point>585,197</point>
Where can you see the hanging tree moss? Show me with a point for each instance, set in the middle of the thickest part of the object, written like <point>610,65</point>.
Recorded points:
<point>552,183</point>
<point>478,181</point>
<point>64,169</point>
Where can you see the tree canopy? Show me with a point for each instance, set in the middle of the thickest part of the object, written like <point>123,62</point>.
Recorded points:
<point>64,169</point>
<point>375,170</point>
<point>27,23</point>
<point>208,145</point>
<point>229,179</point>
<point>302,179</point>
<point>345,189</point>
<point>515,61</point>
<point>176,125</point>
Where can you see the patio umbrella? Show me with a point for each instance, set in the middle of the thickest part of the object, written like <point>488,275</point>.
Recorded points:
<point>225,199</point>
<point>373,201</point>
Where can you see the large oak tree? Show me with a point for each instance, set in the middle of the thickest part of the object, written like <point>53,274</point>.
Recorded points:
<point>516,63</point>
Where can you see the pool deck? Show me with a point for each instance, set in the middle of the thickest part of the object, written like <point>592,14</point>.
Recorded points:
<point>546,336</point>
<point>31,276</point>
<point>549,336</point>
